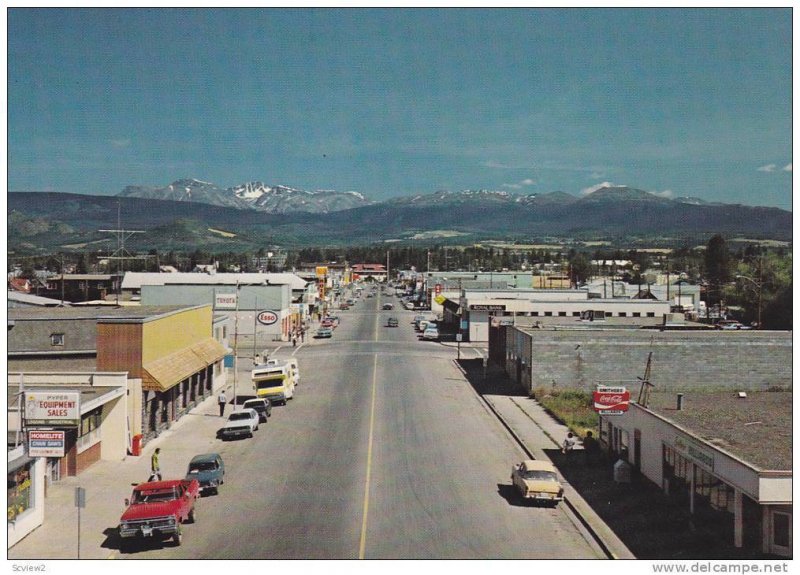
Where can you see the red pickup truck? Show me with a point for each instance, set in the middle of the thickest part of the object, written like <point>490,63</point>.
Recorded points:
<point>157,509</point>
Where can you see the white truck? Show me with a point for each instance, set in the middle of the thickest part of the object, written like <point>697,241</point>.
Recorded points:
<point>274,381</point>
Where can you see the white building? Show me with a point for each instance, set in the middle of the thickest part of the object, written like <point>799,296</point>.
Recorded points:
<point>725,456</point>
<point>478,307</point>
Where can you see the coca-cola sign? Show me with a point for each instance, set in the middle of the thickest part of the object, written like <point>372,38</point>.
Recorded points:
<point>611,400</point>
<point>267,317</point>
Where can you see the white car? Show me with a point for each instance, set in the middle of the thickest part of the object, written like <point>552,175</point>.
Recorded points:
<point>242,422</point>
<point>431,333</point>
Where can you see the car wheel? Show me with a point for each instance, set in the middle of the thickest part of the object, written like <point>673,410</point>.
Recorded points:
<point>125,546</point>
<point>192,515</point>
<point>177,539</point>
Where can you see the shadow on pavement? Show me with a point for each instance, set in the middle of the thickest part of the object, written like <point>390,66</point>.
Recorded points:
<point>650,524</point>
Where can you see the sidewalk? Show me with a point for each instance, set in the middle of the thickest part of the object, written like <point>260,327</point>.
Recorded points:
<point>107,484</point>
<point>635,520</point>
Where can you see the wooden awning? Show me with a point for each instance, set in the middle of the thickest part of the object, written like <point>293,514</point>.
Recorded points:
<point>168,371</point>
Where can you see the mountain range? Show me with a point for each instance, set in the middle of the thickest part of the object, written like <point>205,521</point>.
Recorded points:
<point>251,196</point>
<point>180,219</point>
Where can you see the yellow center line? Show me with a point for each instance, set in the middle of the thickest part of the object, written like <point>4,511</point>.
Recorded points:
<point>363,545</point>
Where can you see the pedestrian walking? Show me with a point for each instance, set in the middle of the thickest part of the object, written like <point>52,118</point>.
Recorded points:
<point>569,443</point>
<point>222,400</point>
<point>155,467</point>
<point>294,340</point>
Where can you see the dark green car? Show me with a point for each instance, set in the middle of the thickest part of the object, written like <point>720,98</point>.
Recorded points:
<point>209,470</point>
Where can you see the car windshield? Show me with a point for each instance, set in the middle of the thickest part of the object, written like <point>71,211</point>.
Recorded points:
<point>539,475</point>
<point>153,496</point>
<point>203,466</point>
<point>238,416</point>
<point>255,406</point>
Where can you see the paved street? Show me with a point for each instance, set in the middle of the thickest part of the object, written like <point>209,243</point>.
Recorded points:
<point>385,452</point>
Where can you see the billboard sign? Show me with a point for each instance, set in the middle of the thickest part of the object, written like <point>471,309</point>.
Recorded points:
<point>267,317</point>
<point>53,408</point>
<point>611,400</point>
<point>46,443</point>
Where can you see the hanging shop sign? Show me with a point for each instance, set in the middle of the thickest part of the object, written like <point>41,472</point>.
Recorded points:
<point>611,400</point>
<point>53,408</point>
<point>46,443</point>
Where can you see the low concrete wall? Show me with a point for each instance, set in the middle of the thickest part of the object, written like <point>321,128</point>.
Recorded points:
<point>681,359</point>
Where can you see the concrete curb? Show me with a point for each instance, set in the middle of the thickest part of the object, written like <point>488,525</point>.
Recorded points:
<point>611,545</point>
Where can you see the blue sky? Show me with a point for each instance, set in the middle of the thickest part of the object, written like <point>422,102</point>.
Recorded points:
<point>681,102</point>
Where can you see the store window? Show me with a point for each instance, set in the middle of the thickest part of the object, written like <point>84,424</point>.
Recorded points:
<point>89,431</point>
<point>57,339</point>
<point>20,492</point>
<point>781,529</point>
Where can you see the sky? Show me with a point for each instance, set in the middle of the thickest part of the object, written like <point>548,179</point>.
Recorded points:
<point>395,102</point>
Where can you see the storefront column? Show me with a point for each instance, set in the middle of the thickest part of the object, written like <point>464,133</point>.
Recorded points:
<point>738,520</point>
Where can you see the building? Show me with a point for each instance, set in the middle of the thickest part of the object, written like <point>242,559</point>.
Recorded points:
<point>97,429</point>
<point>26,489</point>
<point>82,287</point>
<point>726,456</point>
<point>586,353</point>
<point>21,299</point>
<point>271,306</point>
<point>169,353</point>
<point>376,272</point>
<point>478,307</point>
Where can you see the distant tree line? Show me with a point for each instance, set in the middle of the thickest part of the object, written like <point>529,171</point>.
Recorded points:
<point>751,279</point>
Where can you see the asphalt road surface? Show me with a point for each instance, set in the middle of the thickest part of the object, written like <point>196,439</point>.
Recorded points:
<point>385,452</point>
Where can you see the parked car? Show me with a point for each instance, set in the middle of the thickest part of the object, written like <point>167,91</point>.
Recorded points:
<point>157,510</point>
<point>209,471</point>
<point>431,333</point>
<point>324,332</point>
<point>392,322</point>
<point>537,481</point>
<point>242,422</point>
<point>388,306</point>
<point>262,406</point>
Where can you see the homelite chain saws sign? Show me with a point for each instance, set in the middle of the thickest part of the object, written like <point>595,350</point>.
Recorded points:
<point>611,400</point>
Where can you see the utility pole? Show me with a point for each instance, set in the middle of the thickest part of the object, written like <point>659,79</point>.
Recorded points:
<point>236,345</point>
<point>255,325</point>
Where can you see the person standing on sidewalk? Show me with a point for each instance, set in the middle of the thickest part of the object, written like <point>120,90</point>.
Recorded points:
<point>569,444</point>
<point>590,448</point>
<point>222,400</point>
<point>155,468</point>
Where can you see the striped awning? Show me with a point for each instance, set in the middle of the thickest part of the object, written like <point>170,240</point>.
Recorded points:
<point>168,371</point>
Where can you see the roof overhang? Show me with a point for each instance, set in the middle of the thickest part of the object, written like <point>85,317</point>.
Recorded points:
<point>166,372</point>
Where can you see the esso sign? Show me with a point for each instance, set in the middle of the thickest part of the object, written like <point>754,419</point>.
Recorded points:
<point>437,288</point>
<point>267,317</point>
<point>611,400</point>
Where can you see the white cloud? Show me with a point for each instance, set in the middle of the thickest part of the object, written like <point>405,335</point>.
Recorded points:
<point>596,175</point>
<point>668,194</point>
<point>787,168</point>
<point>121,142</point>
<point>518,185</point>
<point>767,168</point>
<point>593,189</point>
